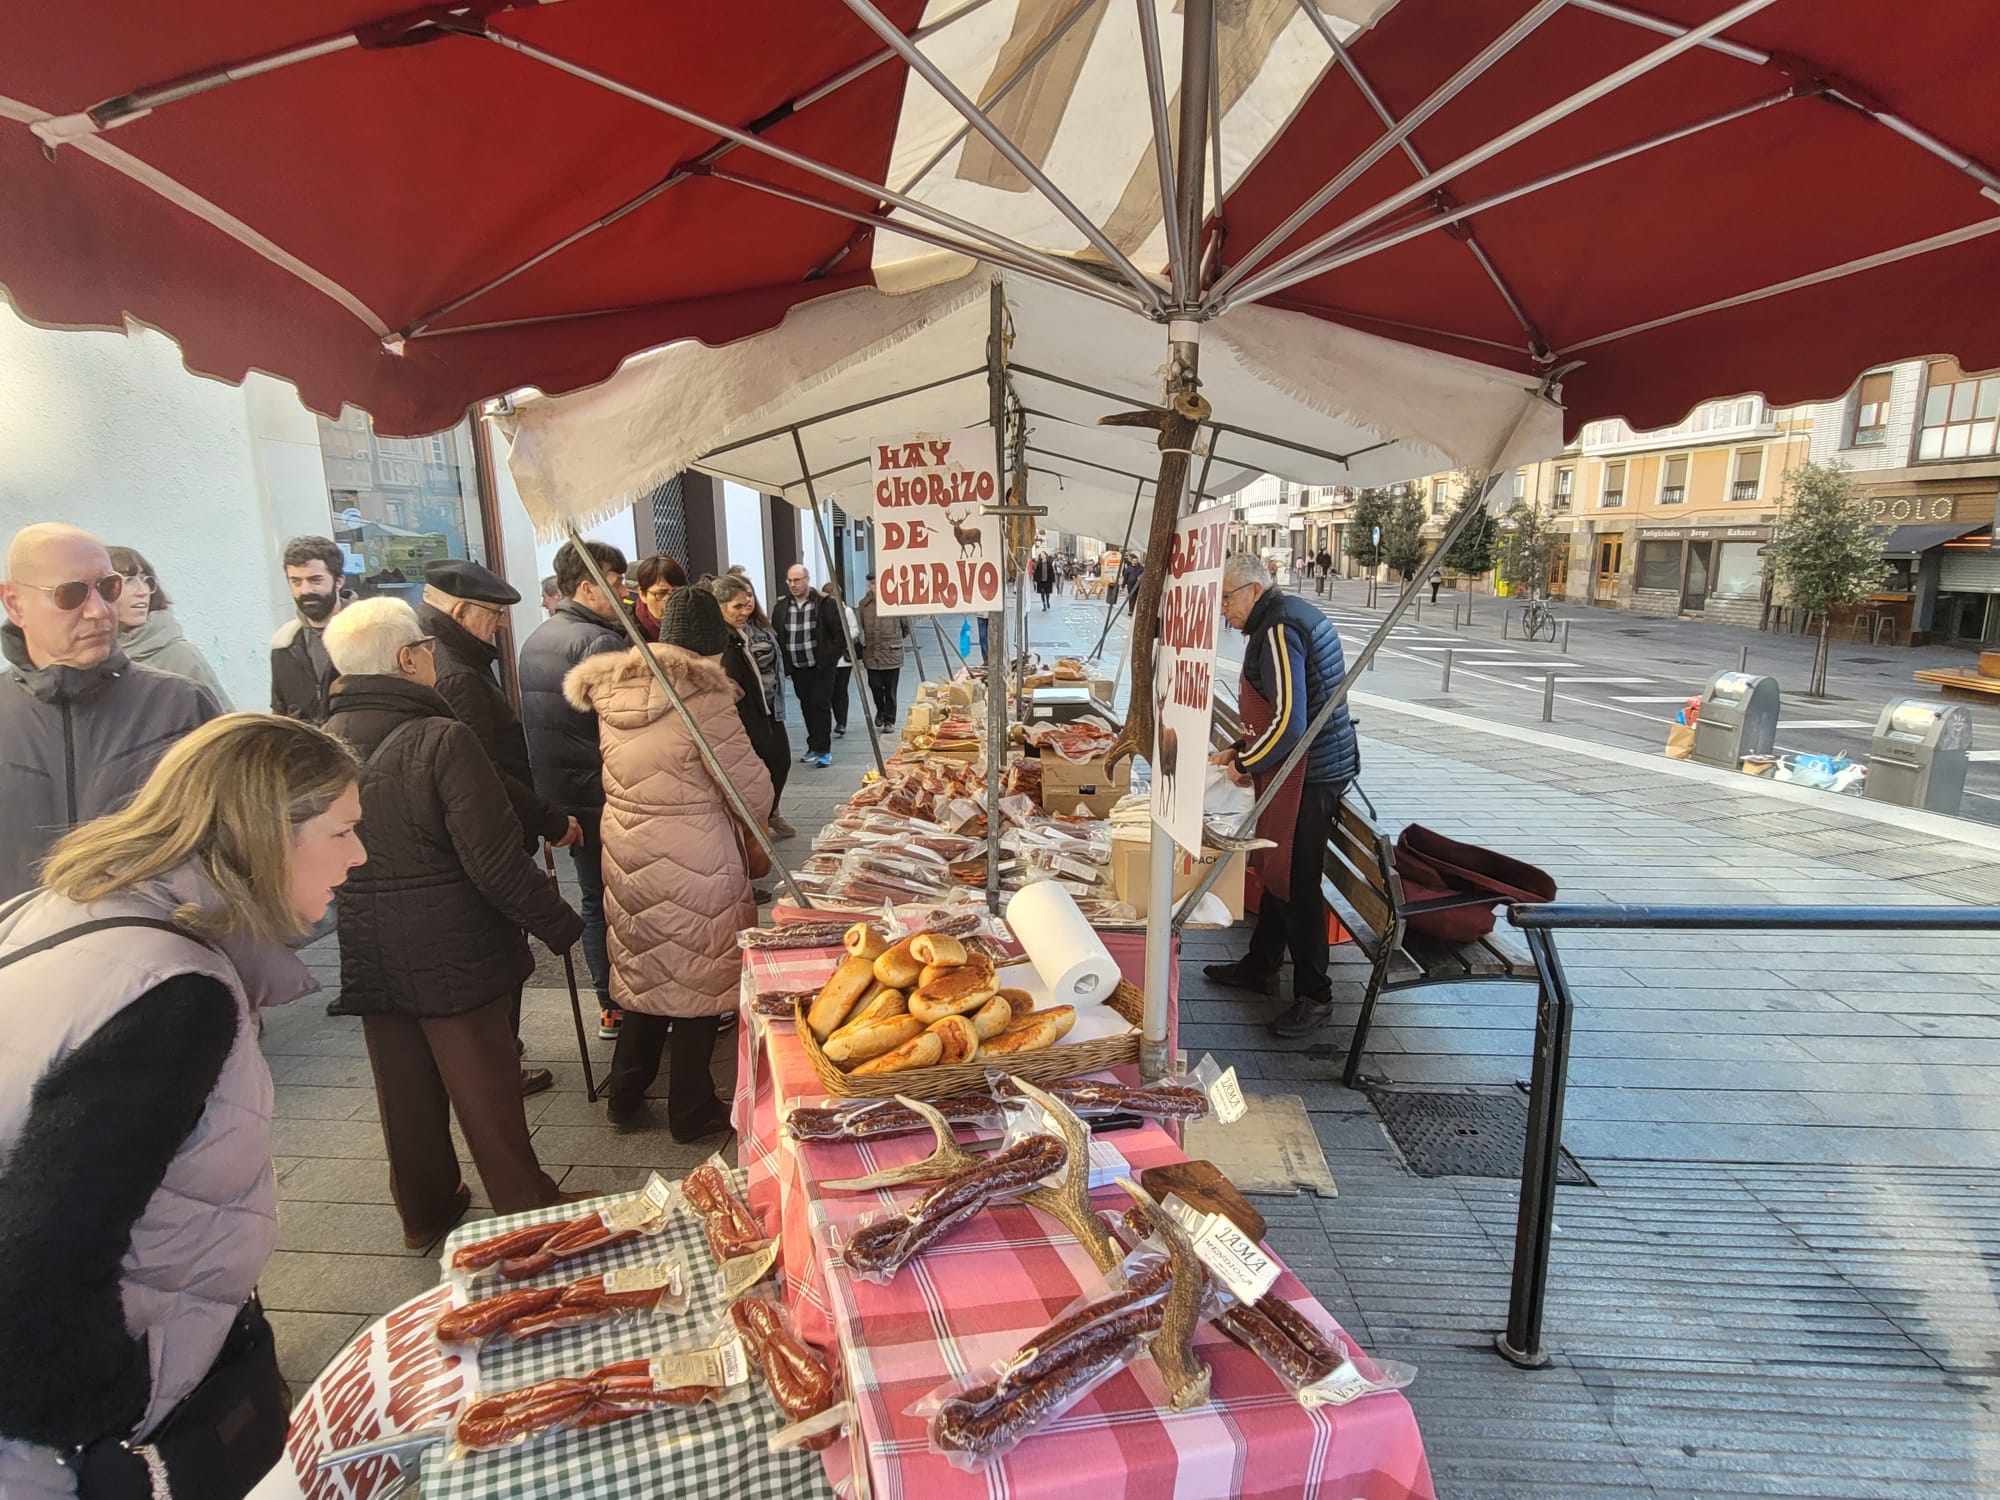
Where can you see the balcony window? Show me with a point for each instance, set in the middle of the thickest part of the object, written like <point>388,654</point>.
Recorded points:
<point>1520,483</point>
<point>1613,494</point>
<point>1871,412</point>
<point>1961,414</point>
<point>1565,487</point>
<point>1745,482</point>
<point>1674,480</point>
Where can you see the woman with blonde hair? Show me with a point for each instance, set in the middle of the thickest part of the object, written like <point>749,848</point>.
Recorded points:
<point>137,1202</point>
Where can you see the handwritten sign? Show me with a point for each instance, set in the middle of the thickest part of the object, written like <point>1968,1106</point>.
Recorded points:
<point>1184,671</point>
<point>935,552</point>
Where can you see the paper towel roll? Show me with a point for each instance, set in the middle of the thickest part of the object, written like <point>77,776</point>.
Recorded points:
<point>1069,957</point>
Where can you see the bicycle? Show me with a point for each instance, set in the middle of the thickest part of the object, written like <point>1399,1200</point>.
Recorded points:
<point>1538,620</point>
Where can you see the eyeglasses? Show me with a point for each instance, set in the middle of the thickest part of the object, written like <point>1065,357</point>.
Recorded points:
<point>424,643</point>
<point>1240,588</point>
<point>72,594</point>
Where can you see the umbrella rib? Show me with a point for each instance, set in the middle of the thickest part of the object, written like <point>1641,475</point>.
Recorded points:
<point>1286,273</point>
<point>1163,156</point>
<point>842,411</point>
<point>1389,140</point>
<point>1965,234</point>
<point>998,139</point>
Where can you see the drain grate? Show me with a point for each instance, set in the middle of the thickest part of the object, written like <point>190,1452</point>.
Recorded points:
<point>1463,1135</point>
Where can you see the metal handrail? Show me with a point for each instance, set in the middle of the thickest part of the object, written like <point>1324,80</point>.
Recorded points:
<point>1555,1009</point>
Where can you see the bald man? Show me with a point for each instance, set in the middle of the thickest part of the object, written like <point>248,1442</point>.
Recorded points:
<point>80,726</point>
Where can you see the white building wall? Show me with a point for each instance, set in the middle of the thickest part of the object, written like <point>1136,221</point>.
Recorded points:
<point>1829,424</point>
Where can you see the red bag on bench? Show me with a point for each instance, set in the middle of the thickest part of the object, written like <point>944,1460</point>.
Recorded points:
<point>1433,867</point>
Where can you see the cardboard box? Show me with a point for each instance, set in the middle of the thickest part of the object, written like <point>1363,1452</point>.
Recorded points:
<point>1066,783</point>
<point>1129,856</point>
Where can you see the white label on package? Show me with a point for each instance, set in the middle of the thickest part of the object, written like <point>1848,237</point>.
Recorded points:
<point>644,1207</point>
<point>735,1363</point>
<point>671,1274</point>
<point>1106,1164</point>
<point>1227,1097</point>
<point>1079,869</point>
<point>719,1368</point>
<point>1234,1257</point>
<point>741,1272</point>
<point>1338,1387</point>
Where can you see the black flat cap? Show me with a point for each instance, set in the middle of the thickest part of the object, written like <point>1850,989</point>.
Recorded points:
<point>470,580</point>
<point>692,620</point>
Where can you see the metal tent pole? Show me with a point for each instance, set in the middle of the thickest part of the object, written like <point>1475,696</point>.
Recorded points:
<point>1111,604</point>
<point>996,654</point>
<point>708,758</point>
<point>846,631</point>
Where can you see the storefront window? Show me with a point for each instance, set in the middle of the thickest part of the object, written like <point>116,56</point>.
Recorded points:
<point>1739,571</point>
<point>398,503</point>
<point>1659,566</point>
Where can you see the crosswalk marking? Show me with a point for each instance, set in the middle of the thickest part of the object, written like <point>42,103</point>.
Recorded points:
<point>1789,724</point>
<point>1653,697</point>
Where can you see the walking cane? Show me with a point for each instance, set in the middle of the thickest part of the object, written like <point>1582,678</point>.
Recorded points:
<point>575,1001</point>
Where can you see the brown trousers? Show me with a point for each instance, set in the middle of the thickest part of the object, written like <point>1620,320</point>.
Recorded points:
<point>426,1069</point>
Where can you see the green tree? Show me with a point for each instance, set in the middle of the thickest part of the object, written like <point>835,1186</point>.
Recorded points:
<point>1371,509</point>
<point>1526,546</point>
<point>1403,533</point>
<point>1825,552</point>
<point>1472,553</point>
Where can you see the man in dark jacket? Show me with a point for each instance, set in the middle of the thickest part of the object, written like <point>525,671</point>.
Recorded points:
<point>810,637</point>
<point>301,671</point>
<point>432,955</point>
<point>562,741</point>
<point>81,727</point>
<point>1292,663</point>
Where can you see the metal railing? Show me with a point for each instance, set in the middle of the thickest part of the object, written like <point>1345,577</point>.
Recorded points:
<point>1554,1010</point>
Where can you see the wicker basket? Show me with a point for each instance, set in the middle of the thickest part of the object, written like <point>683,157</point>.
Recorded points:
<point>1064,1060</point>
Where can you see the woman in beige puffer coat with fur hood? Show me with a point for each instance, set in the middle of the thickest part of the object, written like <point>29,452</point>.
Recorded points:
<point>676,892</point>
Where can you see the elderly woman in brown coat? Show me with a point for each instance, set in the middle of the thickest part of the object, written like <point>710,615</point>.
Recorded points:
<point>676,889</point>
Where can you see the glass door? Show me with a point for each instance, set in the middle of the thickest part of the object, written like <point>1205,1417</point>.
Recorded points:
<point>1610,563</point>
<point>1694,587</point>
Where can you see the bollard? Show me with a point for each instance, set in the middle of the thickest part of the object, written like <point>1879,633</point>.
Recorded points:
<point>1454,614</point>
<point>1549,698</point>
<point>1743,659</point>
<point>1420,610</point>
<point>1445,686</point>
<point>1506,625</point>
<point>1565,645</point>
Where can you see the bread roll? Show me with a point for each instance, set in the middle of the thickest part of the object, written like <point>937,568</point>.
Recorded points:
<point>865,940</point>
<point>897,968</point>
<point>994,1017</point>
<point>955,993</point>
<point>935,948</point>
<point>859,1043</point>
<point>1022,1002</point>
<point>958,1040</point>
<point>976,963</point>
<point>1042,1029</point>
<point>921,1051</point>
<point>881,1004</point>
<point>839,995</point>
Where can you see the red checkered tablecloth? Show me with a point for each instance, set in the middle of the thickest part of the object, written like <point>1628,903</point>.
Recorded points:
<point>983,1291</point>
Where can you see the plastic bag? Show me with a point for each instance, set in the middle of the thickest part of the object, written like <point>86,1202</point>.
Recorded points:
<point>803,1381</point>
<point>743,1253</point>
<point>629,1294</point>
<point>535,1249</point>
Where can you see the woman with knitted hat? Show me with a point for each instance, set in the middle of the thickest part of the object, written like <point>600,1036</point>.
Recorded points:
<point>676,888</point>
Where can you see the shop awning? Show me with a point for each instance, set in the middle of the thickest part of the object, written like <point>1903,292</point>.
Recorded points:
<point>1913,541</point>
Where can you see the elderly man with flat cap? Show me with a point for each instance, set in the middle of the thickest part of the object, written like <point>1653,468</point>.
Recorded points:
<point>464,606</point>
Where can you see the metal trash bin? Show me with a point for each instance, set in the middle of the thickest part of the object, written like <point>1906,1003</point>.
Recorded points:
<point>1739,717</point>
<point>1919,754</point>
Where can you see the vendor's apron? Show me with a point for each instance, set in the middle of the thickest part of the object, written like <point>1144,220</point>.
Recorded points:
<point>1274,865</point>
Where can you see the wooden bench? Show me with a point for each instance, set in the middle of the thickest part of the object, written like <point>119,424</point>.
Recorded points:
<point>1361,867</point>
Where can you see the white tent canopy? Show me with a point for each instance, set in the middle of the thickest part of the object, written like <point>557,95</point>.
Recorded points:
<point>1361,410</point>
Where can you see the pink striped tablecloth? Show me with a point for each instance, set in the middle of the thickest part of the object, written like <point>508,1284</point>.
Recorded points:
<point>978,1295</point>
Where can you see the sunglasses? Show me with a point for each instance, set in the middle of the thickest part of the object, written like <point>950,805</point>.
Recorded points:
<point>72,594</point>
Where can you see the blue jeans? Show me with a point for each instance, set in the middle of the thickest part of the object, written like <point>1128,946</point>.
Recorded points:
<point>588,853</point>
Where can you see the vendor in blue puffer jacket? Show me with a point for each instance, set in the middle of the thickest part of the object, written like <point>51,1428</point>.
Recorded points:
<point>1292,664</point>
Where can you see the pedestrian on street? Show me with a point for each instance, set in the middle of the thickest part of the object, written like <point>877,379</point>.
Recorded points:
<point>551,595</point>
<point>1292,664</point>
<point>464,606</point>
<point>657,577</point>
<point>80,726</point>
<point>432,952</point>
<point>809,639</point>
<point>149,634</point>
<point>764,648</point>
<point>882,638</point>
<point>136,1190</point>
<point>562,743</point>
<point>678,877</point>
<point>1045,576</point>
<point>1133,571</point>
<point>301,671</point>
<point>756,707</point>
<point>1436,580</point>
<point>1323,568</point>
<point>843,675</point>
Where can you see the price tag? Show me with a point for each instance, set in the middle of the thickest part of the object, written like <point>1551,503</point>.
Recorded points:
<point>671,1274</point>
<point>1079,869</point>
<point>1235,1258</point>
<point>735,1363</point>
<point>741,1272</point>
<point>647,1206</point>
<point>1338,1387</point>
<point>719,1368</point>
<point>1227,1097</point>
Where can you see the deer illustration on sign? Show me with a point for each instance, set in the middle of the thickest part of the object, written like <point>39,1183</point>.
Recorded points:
<point>969,540</point>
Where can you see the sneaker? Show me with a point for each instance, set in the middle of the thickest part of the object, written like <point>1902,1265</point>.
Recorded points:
<point>808,758</point>
<point>840,731</point>
<point>780,829</point>
<point>823,759</point>
<point>728,1021</point>
<point>1301,1019</point>
<point>1237,975</point>
<point>608,1021</point>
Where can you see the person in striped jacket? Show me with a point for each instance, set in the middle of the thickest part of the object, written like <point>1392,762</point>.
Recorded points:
<point>1292,664</point>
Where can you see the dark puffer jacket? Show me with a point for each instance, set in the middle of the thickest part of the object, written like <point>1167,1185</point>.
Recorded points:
<point>562,743</point>
<point>466,682</point>
<point>431,925</point>
<point>1292,656</point>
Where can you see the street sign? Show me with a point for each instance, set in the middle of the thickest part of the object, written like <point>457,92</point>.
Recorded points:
<point>1378,536</point>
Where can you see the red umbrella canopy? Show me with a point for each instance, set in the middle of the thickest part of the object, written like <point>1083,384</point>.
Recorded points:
<point>412,210</point>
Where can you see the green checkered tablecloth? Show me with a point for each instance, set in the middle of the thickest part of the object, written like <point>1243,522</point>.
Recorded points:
<point>707,1450</point>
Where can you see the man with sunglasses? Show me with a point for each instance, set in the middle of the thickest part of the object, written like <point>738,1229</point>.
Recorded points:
<point>81,726</point>
<point>1292,663</point>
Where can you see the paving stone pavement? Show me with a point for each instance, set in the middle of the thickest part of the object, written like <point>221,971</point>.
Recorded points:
<point>1781,1283</point>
